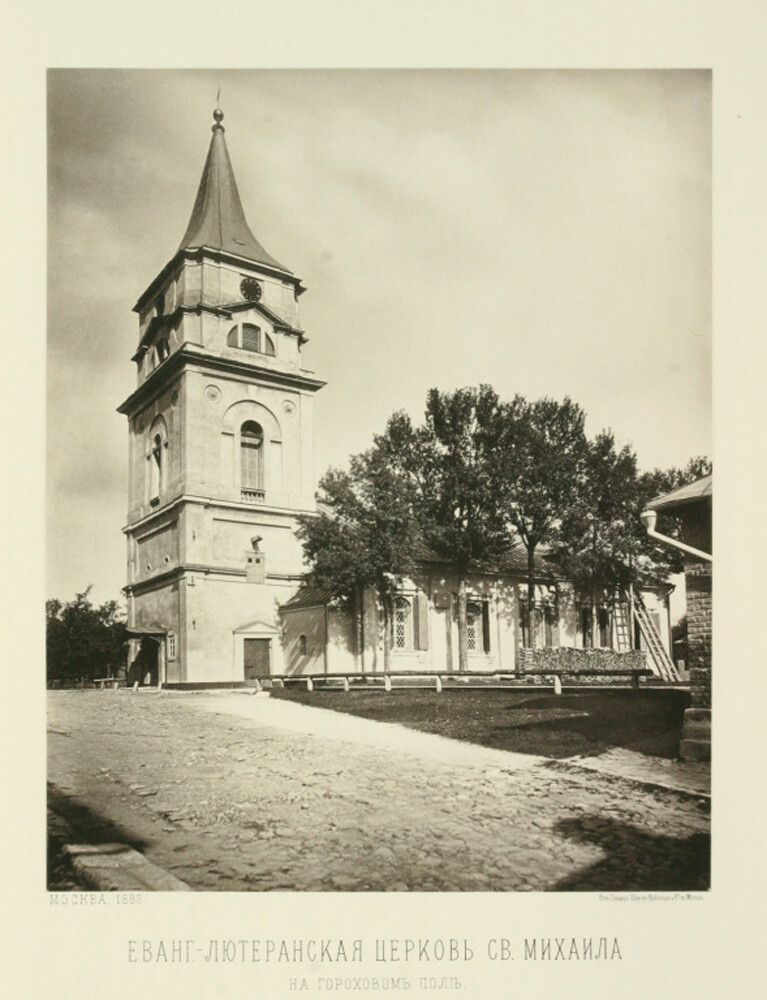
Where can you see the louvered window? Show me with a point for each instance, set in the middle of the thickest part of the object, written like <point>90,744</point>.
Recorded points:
<point>251,337</point>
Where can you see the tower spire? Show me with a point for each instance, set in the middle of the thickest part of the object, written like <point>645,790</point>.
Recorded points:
<point>218,220</point>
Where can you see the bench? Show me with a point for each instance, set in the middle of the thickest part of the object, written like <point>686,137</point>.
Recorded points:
<point>102,682</point>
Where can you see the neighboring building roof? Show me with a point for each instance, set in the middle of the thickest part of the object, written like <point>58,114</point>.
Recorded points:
<point>513,563</point>
<point>701,489</point>
<point>218,220</point>
<point>309,596</point>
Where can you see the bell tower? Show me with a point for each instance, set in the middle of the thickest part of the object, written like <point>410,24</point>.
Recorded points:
<point>220,450</point>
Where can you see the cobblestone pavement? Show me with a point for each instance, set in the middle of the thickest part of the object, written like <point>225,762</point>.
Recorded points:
<point>230,792</point>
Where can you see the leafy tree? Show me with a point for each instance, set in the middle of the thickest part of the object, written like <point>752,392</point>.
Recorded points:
<point>83,640</point>
<point>450,464</point>
<point>364,535</point>
<point>541,460</point>
<point>597,539</point>
<point>600,542</point>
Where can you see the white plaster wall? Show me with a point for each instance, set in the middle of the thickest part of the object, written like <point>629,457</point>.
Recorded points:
<point>311,623</point>
<point>442,653</point>
<point>215,608</point>
<point>162,607</point>
<point>212,439</point>
<point>341,641</point>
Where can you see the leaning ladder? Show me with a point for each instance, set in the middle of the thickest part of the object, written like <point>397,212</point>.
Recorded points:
<point>660,662</point>
<point>658,652</point>
<point>622,628</point>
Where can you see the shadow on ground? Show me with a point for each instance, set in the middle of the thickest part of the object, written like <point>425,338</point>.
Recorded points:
<point>83,825</point>
<point>635,860</point>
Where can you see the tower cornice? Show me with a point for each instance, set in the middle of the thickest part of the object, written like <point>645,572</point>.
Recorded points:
<point>227,311</point>
<point>191,357</point>
<point>199,254</point>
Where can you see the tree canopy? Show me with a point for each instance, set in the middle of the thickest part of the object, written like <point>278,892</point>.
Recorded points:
<point>476,477</point>
<point>543,462</point>
<point>450,462</point>
<point>364,535</point>
<point>82,640</point>
<point>600,543</point>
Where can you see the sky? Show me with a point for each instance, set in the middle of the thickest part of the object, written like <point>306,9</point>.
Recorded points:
<point>547,232</point>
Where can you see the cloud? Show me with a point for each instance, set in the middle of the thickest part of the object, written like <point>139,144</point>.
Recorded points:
<point>548,232</point>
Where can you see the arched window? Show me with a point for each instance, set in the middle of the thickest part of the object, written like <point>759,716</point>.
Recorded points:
<point>403,623</point>
<point>155,487</point>
<point>251,338</point>
<point>251,456</point>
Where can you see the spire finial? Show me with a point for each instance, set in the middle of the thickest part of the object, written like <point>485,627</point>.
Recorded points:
<point>218,114</point>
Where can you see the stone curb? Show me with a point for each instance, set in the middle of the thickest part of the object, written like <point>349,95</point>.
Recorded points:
<point>111,867</point>
<point>117,867</point>
<point>647,783</point>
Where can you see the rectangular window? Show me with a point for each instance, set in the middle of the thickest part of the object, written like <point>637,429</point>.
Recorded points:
<point>604,627</point>
<point>251,464</point>
<point>171,645</point>
<point>472,626</point>
<point>548,623</point>
<point>403,623</point>
<point>478,626</point>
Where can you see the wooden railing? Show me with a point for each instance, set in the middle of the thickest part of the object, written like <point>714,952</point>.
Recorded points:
<point>438,681</point>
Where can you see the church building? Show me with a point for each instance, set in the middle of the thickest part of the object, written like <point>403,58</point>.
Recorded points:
<point>221,450</point>
<point>221,466</point>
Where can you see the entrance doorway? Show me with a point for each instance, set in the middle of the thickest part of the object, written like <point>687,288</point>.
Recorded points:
<point>257,659</point>
<point>145,667</point>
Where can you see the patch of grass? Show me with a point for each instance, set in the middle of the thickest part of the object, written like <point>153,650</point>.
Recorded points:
<point>649,722</point>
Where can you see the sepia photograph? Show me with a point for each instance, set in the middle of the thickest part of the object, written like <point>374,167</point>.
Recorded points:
<point>379,481</point>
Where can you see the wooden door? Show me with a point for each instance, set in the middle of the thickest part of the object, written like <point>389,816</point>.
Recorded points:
<point>257,658</point>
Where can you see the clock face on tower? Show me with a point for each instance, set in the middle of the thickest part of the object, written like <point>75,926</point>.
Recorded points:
<point>251,289</point>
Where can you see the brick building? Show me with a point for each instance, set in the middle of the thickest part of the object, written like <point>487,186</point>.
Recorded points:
<point>692,504</point>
